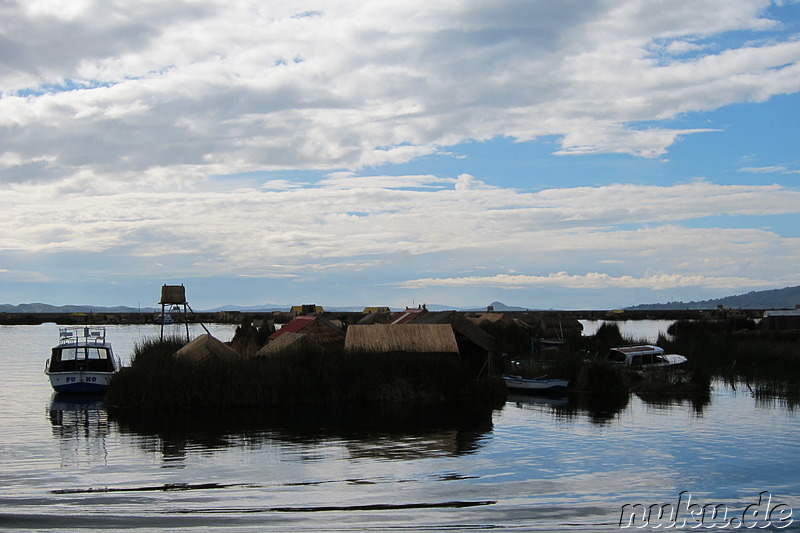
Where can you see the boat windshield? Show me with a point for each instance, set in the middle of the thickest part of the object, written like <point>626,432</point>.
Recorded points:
<point>72,358</point>
<point>69,354</point>
<point>96,353</point>
<point>80,353</point>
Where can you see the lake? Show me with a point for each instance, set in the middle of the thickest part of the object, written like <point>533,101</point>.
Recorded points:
<point>531,464</point>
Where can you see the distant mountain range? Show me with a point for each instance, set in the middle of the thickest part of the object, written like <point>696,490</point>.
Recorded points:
<point>786,298</point>
<point>47,308</point>
<point>265,308</point>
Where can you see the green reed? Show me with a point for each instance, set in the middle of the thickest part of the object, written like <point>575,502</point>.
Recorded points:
<point>156,379</point>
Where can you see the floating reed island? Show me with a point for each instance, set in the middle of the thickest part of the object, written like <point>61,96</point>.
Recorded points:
<point>161,376</point>
<point>443,357</point>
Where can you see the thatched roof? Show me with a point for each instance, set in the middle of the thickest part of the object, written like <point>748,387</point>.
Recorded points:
<point>417,338</point>
<point>374,318</point>
<point>320,329</point>
<point>289,341</point>
<point>491,317</point>
<point>407,315</point>
<point>206,347</point>
<point>244,340</point>
<point>461,325</point>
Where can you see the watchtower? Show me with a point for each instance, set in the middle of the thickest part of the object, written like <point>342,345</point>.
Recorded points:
<point>174,296</point>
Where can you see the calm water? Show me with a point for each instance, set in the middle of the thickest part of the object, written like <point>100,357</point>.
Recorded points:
<point>635,330</point>
<point>529,465</point>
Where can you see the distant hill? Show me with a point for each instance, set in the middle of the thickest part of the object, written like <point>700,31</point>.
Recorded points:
<point>500,306</point>
<point>47,308</point>
<point>265,308</point>
<point>786,298</point>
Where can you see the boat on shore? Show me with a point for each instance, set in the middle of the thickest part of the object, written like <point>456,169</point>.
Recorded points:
<point>643,356</point>
<point>165,318</point>
<point>540,385</point>
<point>82,361</point>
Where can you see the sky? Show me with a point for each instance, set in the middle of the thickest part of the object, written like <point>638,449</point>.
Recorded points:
<point>579,154</point>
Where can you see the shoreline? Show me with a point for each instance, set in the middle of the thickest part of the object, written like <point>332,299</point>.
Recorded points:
<point>236,317</point>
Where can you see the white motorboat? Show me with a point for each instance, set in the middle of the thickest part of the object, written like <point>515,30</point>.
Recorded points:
<point>643,356</point>
<point>82,362</point>
<point>538,385</point>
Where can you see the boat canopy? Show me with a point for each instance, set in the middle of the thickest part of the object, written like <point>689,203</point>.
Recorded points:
<point>642,355</point>
<point>82,349</point>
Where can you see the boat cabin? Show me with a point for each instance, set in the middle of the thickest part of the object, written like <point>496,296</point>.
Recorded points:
<point>645,355</point>
<point>82,350</point>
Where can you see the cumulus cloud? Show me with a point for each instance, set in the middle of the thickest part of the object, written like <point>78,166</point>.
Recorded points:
<point>140,89</point>
<point>765,170</point>
<point>144,132</point>
<point>628,231</point>
<point>591,280</point>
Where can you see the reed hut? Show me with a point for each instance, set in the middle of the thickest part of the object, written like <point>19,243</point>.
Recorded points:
<point>368,310</point>
<point>289,342</point>
<point>474,344</point>
<point>244,339</point>
<point>401,338</point>
<point>306,309</point>
<point>206,348</point>
<point>374,318</point>
<point>781,319</point>
<point>407,315</point>
<point>322,330</point>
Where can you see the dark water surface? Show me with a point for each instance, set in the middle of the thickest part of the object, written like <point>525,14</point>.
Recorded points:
<point>529,465</point>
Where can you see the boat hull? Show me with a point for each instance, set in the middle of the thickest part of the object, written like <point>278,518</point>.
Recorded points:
<point>80,382</point>
<point>535,386</point>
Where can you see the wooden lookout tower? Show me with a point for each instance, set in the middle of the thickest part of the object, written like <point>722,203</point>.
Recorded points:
<point>174,297</point>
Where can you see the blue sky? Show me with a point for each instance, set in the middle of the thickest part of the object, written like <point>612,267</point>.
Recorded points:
<point>580,154</point>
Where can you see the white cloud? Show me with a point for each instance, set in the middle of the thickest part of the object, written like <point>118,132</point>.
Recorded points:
<point>765,170</point>
<point>467,182</point>
<point>280,184</point>
<point>591,280</point>
<point>140,131</point>
<point>625,230</point>
<point>224,87</point>
<point>683,47</point>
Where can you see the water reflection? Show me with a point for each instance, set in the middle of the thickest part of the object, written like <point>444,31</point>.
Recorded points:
<point>80,425</point>
<point>391,433</point>
<point>598,408</point>
<point>602,408</point>
<point>698,401</point>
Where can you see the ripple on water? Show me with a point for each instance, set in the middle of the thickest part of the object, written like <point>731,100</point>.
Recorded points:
<point>536,464</point>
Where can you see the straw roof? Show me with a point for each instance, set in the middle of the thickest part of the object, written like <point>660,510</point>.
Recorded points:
<point>463,327</point>
<point>320,329</point>
<point>244,340</point>
<point>204,348</point>
<point>289,341</point>
<point>374,318</point>
<point>491,317</point>
<point>415,338</point>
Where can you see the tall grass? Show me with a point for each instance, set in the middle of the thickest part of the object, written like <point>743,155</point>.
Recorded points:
<point>583,363</point>
<point>156,379</point>
<point>736,351</point>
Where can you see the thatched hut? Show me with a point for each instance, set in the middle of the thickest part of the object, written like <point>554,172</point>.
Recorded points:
<point>374,318</point>
<point>407,315</point>
<point>401,338</point>
<point>244,339</point>
<point>474,344</point>
<point>318,328</point>
<point>205,348</point>
<point>289,342</point>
